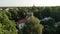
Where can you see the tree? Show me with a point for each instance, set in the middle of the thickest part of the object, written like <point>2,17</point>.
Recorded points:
<point>33,26</point>
<point>1,28</point>
<point>13,14</point>
<point>35,11</point>
<point>46,12</point>
<point>58,29</point>
<point>49,30</point>
<point>22,12</point>
<point>6,26</point>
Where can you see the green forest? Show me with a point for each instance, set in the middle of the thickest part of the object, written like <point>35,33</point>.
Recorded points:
<point>34,24</point>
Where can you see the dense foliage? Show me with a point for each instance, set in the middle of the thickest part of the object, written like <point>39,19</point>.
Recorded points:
<point>6,26</point>
<point>32,26</point>
<point>8,19</point>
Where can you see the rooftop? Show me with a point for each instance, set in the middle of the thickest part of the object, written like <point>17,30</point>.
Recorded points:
<point>21,21</point>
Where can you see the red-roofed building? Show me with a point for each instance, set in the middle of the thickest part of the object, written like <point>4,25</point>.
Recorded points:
<point>21,22</point>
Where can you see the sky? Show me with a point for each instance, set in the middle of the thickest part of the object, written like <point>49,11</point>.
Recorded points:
<point>7,3</point>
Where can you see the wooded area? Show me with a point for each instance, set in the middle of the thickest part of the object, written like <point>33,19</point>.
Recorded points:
<point>10,15</point>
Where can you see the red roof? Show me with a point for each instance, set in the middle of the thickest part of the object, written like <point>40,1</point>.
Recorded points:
<point>21,21</point>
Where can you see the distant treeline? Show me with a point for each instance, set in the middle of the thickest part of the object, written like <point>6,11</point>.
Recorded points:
<point>39,12</point>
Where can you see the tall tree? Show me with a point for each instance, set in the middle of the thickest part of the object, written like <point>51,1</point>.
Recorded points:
<point>33,26</point>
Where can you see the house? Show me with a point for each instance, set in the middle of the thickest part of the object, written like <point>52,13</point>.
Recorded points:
<point>46,19</point>
<point>21,22</point>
